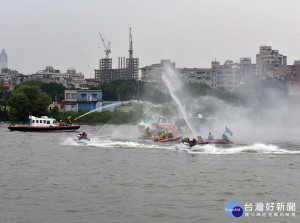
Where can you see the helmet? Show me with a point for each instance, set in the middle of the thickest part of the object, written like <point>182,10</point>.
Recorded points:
<point>60,120</point>
<point>69,117</point>
<point>194,138</point>
<point>83,131</point>
<point>170,131</point>
<point>209,132</point>
<point>187,137</point>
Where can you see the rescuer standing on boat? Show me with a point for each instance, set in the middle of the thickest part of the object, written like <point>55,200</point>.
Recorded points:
<point>69,121</point>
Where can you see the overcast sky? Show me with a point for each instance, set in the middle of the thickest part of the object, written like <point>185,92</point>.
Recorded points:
<point>191,33</point>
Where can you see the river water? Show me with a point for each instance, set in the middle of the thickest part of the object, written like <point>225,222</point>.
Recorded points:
<point>47,177</point>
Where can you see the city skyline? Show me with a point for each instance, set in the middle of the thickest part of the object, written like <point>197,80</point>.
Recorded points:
<point>65,34</point>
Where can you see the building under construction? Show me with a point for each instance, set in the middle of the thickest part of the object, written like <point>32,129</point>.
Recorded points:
<point>127,68</point>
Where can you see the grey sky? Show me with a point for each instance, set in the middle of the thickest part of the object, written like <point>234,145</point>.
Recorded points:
<point>64,33</point>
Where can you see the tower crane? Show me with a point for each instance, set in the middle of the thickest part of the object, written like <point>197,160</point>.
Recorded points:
<point>106,46</point>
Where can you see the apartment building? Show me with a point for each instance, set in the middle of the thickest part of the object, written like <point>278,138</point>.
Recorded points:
<point>268,61</point>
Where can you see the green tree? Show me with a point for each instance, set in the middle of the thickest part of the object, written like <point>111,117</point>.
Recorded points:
<point>56,91</point>
<point>28,100</point>
<point>109,91</point>
<point>127,91</point>
<point>4,95</point>
<point>55,113</point>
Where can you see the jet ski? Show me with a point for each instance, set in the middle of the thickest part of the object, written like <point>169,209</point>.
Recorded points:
<point>78,138</point>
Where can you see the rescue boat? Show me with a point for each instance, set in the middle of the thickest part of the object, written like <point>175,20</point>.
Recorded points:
<point>206,141</point>
<point>43,123</point>
<point>175,138</point>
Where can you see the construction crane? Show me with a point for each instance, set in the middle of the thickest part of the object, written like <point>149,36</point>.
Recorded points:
<point>106,46</point>
<point>130,44</point>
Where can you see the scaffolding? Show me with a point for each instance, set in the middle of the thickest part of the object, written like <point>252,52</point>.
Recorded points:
<point>132,68</point>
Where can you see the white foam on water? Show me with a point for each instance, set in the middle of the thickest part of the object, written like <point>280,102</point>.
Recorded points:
<point>257,148</point>
<point>108,143</point>
<point>69,141</point>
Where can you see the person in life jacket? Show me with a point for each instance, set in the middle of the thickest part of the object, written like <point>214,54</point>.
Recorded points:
<point>61,123</point>
<point>210,136</point>
<point>170,134</point>
<point>148,131</point>
<point>193,142</point>
<point>165,132</point>
<point>82,135</point>
<point>69,121</point>
<point>186,139</point>
<point>200,138</point>
<point>162,136</point>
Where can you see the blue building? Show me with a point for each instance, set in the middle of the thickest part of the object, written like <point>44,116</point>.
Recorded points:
<point>84,100</point>
<point>89,99</point>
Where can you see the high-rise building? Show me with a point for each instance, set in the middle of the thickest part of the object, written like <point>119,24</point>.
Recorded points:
<point>225,76</point>
<point>297,63</point>
<point>153,74</point>
<point>268,61</point>
<point>3,60</point>
<point>245,65</point>
<point>132,68</point>
<point>196,75</point>
<point>248,70</point>
<point>104,73</point>
<point>126,70</point>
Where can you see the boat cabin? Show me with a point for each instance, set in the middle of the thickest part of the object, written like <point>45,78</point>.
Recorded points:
<point>170,122</point>
<point>42,121</point>
<point>179,123</point>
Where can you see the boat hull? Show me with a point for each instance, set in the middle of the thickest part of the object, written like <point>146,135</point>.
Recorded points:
<point>205,141</point>
<point>42,128</point>
<point>217,141</point>
<point>175,138</point>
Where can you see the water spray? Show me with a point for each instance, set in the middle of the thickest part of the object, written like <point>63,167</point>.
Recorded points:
<point>166,77</point>
<point>107,106</point>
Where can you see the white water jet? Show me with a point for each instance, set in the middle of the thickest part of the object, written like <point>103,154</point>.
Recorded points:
<point>108,106</point>
<point>168,77</point>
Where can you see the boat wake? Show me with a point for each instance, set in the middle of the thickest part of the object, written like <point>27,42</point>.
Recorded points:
<point>108,143</point>
<point>257,148</point>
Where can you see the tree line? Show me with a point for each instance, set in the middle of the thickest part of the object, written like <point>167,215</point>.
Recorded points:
<point>34,97</point>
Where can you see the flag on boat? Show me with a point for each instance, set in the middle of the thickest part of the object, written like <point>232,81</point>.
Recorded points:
<point>228,131</point>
